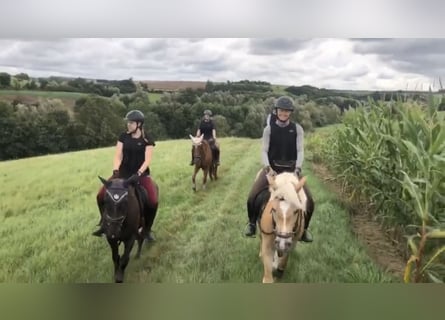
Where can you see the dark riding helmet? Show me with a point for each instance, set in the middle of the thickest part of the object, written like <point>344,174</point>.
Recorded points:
<point>135,115</point>
<point>285,103</point>
<point>208,112</point>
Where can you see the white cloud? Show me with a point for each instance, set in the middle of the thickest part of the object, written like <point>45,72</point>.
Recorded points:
<point>329,63</point>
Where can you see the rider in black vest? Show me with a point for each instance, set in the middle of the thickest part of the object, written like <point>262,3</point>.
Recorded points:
<point>282,151</point>
<point>208,129</point>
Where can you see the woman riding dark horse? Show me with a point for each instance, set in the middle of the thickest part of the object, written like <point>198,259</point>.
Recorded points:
<point>207,127</point>
<point>282,152</point>
<point>123,220</point>
<point>133,156</point>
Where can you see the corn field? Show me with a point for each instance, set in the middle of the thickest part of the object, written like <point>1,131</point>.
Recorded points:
<point>393,156</point>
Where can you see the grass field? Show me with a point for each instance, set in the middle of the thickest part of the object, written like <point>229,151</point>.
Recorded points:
<point>48,212</point>
<point>43,94</point>
<point>154,97</point>
<point>33,96</point>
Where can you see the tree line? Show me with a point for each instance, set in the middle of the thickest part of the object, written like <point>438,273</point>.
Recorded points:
<point>95,121</point>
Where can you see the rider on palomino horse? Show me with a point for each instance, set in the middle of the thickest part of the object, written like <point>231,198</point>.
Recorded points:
<point>282,151</point>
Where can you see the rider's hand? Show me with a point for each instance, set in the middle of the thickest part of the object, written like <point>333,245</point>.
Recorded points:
<point>115,174</point>
<point>270,171</point>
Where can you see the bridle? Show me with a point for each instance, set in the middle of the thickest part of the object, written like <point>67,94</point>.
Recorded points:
<point>116,198</point>
<point>283,235</point>
<point>197,154</point>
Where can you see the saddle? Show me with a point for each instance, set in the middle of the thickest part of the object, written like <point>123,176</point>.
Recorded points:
<point>142,196</point>
<point>283,166</point>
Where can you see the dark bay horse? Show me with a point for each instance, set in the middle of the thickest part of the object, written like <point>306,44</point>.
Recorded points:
<point>123,221</point>
<point>203,159</point>
<point>281,222</point>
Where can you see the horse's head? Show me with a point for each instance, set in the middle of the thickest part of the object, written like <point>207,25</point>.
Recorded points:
<point>116,205</point>
<point>288,207</point>
<point>197,143</point>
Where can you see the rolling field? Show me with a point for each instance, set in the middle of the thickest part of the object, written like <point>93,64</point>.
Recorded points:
<point>48,212</point>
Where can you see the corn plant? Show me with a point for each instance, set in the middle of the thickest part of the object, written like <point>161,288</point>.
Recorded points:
<point>393,155</point>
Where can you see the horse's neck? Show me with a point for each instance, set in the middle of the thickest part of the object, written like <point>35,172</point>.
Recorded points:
<point>205,148</point>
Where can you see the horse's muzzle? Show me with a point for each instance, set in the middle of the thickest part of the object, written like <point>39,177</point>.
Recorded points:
<point>283,245</point>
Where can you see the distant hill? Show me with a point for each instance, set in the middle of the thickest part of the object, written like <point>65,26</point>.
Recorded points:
<point>173,85</point>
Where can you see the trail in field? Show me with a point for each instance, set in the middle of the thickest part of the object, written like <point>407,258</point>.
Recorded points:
<point>200,234</point>
<point>387,254</point>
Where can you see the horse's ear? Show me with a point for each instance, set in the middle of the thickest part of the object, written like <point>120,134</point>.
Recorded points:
<point>105,182</point>
<point>191,137</point>
<point>300,184</point>
<point>271,179</point>
<point>201,136</point>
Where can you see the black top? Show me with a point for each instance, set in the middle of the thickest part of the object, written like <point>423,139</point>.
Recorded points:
<point>283,147</point>
<point>206,128</point>
<point>133,150</point>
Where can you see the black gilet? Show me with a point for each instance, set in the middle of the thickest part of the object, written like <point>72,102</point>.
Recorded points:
<point>282,146</point>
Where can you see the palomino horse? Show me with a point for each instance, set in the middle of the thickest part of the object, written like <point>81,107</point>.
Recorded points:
<point>203,159</point>
<point>281,222</point>
<point>123,221</point>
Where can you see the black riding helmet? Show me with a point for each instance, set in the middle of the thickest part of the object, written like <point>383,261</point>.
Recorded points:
<point>208,112</point>
<point>136,116</point>
<point>285,103</point>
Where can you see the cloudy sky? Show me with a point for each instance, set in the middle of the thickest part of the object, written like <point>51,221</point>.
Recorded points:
<point>368,64</point>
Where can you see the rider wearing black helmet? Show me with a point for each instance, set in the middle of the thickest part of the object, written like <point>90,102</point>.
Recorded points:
<point>133,155</point>
<point>282,151</point>
<point>207,128</point>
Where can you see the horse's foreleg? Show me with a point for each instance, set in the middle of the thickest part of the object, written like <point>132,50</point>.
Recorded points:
<point>215,172</point>
<point>140,240</point>
<point>124,259</point>
<point>282,263</point>
<point>204,179</point>
<point>193,179</point>
<point>114,254</point>
<point>267,253</point>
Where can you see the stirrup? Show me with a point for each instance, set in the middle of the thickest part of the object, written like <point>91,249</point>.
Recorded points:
<point>250,230</point>
<point>307,236</point>
<point>149,237</point>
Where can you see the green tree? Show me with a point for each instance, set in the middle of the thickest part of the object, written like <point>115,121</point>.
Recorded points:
<point>222,126</point>
<point>21,76</point>
<point>154,127</point>
<point>5,80</point>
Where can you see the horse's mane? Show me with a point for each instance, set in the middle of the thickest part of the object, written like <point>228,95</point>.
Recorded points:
<point>204,143</point>
<point>283,187</point>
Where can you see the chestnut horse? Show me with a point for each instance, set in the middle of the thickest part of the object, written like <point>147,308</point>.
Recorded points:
<point>202,159</point>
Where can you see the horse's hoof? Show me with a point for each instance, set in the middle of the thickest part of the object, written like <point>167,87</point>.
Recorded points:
<point>119,277</point>
<point>278,273</point>
<point>266,280</point>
